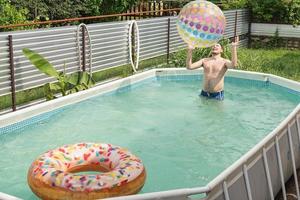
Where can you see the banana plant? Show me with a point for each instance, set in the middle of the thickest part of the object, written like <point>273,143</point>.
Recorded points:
<point>66,83</point>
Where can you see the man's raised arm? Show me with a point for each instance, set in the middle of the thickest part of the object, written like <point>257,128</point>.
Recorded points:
<point>234,60</point>
<point>189,60</point>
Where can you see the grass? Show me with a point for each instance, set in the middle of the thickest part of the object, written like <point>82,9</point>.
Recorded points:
<point>281,62</point>
<point>26,96</point>
<point>22,97</point>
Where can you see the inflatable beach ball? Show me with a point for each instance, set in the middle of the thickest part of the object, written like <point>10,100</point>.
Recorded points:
<point>201,23</point>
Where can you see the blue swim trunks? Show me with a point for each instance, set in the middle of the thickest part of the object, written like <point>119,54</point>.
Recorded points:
<point>213,95</point>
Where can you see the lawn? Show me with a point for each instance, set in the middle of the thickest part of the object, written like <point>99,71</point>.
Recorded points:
<point>281,62</point>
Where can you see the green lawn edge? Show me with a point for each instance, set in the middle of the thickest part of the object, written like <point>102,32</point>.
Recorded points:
<point>281,62</point>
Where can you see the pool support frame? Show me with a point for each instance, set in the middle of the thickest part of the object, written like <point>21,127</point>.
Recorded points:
<point>258,174</point>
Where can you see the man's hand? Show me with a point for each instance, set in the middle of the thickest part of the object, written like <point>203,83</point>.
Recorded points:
<point>236,41</point>
<point>190,47</point>
<point>234,59</point>
<point>189,63</point>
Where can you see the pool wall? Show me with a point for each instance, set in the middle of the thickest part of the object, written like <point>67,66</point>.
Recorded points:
<point>259,174</point>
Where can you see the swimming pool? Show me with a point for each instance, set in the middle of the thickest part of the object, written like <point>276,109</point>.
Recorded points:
<point>160,118</point>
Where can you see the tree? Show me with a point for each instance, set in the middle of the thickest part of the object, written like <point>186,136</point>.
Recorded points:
<point>57,9</point>
<point>233,4</point>
<point>279,11</point>
<point>49,9</point>
<point>9,14</point>
<point>293,10</point>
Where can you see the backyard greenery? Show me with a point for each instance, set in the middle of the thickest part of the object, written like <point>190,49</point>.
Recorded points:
<point>9,14</point>
<point>23,97</point>
<point>66,83</point>
<point>279,11</point>
<point>57,9</point>
<point>19,11</point>
<point>268,11</point>
<point>281,62</point>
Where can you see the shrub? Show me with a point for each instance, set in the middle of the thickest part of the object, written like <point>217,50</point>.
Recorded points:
<point>279,11</point>
<point>9,14</point>
<point>66,83</point>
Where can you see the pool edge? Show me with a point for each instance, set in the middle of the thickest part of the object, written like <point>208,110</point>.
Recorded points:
<point>26,113</point>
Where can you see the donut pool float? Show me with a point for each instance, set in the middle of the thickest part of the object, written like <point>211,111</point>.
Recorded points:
<point>54,174</point>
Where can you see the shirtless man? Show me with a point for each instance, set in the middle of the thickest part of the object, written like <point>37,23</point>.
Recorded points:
<point>214,69</point>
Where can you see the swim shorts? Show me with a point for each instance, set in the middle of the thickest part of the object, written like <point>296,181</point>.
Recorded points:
<point>213,95</point>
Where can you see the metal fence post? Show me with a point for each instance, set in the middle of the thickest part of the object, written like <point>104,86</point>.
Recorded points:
<point>154,7</point>
<point>149,9</point>
<point>12,72</point>
<point>83,48</point>
<point>235,24</point>
<point>159,8</point>
<point>249,28</point>
<point>133,42</point>
<point>168,43</point>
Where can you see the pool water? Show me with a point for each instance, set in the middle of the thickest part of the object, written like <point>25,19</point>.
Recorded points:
<point>183,140</point>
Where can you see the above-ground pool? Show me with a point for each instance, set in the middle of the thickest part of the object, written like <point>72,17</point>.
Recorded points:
<point>184,141</point>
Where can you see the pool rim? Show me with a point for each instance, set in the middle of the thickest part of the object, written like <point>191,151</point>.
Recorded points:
<point>29,112</point>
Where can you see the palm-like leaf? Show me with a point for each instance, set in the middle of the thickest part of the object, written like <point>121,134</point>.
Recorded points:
<point>40,62</point>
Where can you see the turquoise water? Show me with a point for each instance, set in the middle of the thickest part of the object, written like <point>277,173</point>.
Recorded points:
<point>183,140</point>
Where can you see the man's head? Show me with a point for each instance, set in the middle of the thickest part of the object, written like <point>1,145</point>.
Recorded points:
<point>216,49</point>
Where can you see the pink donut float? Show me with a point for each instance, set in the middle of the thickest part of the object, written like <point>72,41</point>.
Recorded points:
<point>53,174</point>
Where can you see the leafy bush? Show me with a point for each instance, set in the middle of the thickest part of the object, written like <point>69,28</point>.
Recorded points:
<point>66,83</point>
<point>57,9</point>
<point>9,14</point>
<point>279,11</point>
<point>234,4</point>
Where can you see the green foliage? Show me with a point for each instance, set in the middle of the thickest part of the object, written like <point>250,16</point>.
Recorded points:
<point>42,64</point>
<point>234,4</point>
<point>18,11</point>
<point>293,11</point>
<point>66,83</point>
<point>51,9</point>
<point>281,62</point>
<point>9,14</point>
<point>57,9</point>
<point>275,41</point>
<point>285,63</point>
<point>22,97</point>
<point>116,6</point>
<point>279,11</point>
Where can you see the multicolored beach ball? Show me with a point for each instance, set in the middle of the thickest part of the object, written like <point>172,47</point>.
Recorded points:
<point>201,23</point>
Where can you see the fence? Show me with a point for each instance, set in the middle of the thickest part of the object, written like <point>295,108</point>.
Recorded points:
<point>279,35</point>
<point>284,30</point>
<point>150,6</point>
<point>108,46</point>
